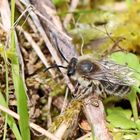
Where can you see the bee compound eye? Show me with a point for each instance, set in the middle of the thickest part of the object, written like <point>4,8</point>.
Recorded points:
<point>86,67</point>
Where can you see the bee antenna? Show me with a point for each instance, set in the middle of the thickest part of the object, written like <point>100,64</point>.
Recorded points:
<point>60,50</point>
<point>55,66</point>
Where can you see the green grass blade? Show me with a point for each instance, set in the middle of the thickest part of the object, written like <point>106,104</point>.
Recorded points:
<point>23,111</point>
<point>10,120</point>
<point>133,101</point>
<point>7,97</point>
<point>21,100</point>
<point>19,85</point>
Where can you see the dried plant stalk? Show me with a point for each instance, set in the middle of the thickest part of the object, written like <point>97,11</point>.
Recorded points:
<point>96,117</point>
<point>65,124</point>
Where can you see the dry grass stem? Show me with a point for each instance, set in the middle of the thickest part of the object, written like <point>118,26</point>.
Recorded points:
<point>37,49</point>
<point>5,14</point>
<point>32,125</point>
<point>68,17</point>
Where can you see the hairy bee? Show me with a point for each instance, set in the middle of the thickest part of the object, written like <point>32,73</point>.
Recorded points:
<point>103,75</point>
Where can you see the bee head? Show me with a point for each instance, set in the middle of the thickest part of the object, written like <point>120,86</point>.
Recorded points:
<point>71,69</point>
<point>83,66</point>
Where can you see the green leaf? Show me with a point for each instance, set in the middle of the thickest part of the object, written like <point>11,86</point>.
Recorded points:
<point>120,121</point>
<point>133,101</point>
<point>118,110</point>
<point>130,137</point>
<point>138,124</point>
<point>118,136</point>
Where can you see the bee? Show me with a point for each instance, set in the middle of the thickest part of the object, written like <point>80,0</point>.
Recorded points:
<point>101,76</point>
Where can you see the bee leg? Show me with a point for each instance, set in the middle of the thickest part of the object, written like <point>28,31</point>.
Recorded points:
<point>100,91</point>
<point>84,92</point>
<point>77,90</point>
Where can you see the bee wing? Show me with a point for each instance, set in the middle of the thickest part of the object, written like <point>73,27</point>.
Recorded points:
<point>114,73</point>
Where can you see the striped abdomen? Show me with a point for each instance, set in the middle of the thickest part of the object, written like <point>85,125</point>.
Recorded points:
<point>115,89</point>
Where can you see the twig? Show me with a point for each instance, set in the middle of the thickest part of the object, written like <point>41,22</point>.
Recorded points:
<point>19,18</point>
<point>21,10</point>
<point>61,130</point>
<point>36,48</point>
<point>5,14</point>
<point>48,111</point>
<point>65,101</point>
<point>68,17</point>
<point>54,18</point>
<point>96,117</point>
<point>32,125</point>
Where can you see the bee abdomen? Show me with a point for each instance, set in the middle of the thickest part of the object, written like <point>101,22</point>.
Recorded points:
<point>115,89</point>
